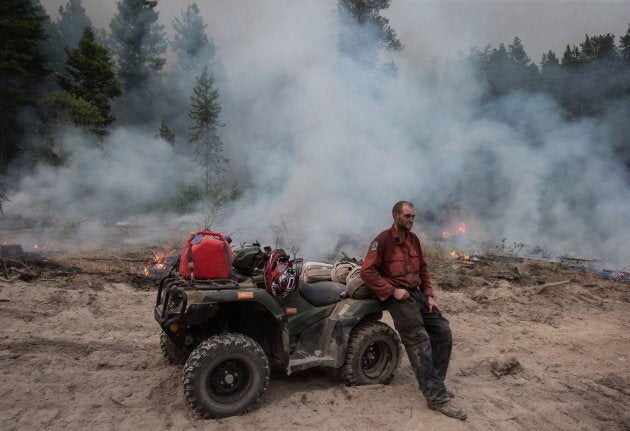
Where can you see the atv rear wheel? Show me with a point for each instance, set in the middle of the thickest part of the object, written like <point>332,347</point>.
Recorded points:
<point>225,376</point>
<point>372,356</point>
<point>174,354</point>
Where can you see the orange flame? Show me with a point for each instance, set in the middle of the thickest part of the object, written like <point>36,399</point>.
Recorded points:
<point>42,246</point>
<point>159,261</point>
<point>459,256</point>
<point>461,229</point>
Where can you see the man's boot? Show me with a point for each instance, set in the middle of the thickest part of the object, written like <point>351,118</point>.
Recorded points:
<point>450,409</point>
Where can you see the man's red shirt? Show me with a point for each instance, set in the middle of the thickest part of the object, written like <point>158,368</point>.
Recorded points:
<point>391,262</point>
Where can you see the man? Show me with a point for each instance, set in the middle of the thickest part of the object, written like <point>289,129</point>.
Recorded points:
<point>395,270</point>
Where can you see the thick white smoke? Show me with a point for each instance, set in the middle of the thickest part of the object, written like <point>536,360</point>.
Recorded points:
<point>100,184</point>
<point>330,148</point>
<point>323,149</point>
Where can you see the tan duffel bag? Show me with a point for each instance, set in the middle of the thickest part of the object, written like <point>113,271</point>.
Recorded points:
<point>356,286</point>
<point>341,270</point>
<point>313,272</point>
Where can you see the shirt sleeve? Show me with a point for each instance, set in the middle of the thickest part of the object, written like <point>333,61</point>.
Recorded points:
<point>370,272</point>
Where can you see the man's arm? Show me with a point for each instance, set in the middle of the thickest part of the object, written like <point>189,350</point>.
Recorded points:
<point>370,272</point>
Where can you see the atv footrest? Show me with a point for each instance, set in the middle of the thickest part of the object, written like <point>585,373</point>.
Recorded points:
<point>299,364</point>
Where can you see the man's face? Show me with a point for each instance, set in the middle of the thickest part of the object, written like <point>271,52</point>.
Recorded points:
<point>404,220</point>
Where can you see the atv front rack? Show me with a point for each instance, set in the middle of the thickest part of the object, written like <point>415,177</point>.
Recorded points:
<point>172,296</point>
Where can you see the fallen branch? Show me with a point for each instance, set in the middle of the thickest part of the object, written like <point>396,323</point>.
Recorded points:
<point>9,268</point>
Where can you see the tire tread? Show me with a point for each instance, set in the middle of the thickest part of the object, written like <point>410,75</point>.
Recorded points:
<point>369,330</point>
<point>221,344</point>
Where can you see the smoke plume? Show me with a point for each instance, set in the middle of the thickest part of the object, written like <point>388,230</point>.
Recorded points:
<point>322,150</point>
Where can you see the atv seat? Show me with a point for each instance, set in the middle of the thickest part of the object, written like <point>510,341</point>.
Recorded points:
<point>322,293</point>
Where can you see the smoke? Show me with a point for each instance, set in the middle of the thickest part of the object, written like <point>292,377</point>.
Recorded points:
<point>98,186</point>
<point>331,147</point>
<point>323,149</point>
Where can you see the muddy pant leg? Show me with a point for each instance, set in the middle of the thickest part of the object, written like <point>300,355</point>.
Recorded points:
<point>409,324</point>
<point>440,335</point>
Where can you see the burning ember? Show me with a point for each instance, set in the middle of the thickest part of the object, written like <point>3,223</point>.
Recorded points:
<point>459,256</point>
<point>160,262</point>
<point>43,246</point>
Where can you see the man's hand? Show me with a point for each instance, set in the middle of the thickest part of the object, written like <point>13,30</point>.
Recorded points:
<point>401,294</point>
<point>433,304</point>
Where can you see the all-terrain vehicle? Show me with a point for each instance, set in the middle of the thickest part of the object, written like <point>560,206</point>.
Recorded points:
<point>229,332</point>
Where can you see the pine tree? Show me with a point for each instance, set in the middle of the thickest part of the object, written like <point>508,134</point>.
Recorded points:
<point>194,50</point>
<point>138,42</point>
<point>624,48</point>
<point>166,133</point>
<point>498,69</point>
<point>525,75</point>
<point>587,50</point>
<point>22,64</point>
<point>90,77</point>
<point>191,44</point>
<point>365,33</point>
<point>550,73</point>
<point>72,20</point>
<point>604,47</point>
<point>52,47</point>
<point>571,57</point>
<point>63,33</point>
<point>204,111</point>
<point>549,61</point>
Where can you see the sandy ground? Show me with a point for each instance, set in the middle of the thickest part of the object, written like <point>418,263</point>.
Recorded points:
<point>79,349</point>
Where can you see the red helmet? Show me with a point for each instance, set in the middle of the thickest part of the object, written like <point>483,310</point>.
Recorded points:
<point>281,274</point>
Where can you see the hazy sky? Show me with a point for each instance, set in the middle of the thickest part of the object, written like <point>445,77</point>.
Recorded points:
<point>427,28</point>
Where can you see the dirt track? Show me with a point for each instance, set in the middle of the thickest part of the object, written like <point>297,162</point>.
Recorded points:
<point>79,350</point>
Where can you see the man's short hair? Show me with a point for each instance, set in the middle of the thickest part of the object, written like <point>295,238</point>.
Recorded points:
<point>398,206</point>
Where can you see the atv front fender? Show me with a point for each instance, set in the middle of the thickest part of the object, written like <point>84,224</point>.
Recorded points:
<point>325,343</point>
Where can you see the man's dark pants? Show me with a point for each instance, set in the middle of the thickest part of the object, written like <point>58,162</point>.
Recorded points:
<point>427,338</point>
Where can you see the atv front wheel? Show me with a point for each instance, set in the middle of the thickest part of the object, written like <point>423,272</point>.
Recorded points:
<point>372,356</point>
<point>174,354</point>
<point>225,376</point>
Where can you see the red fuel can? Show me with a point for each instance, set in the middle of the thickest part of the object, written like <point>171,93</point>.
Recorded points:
<point>206,256</point>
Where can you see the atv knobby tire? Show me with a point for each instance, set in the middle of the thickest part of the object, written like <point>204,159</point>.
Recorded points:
<point>372,356</point>
<point>225,375</point>
<point>174,355</point>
